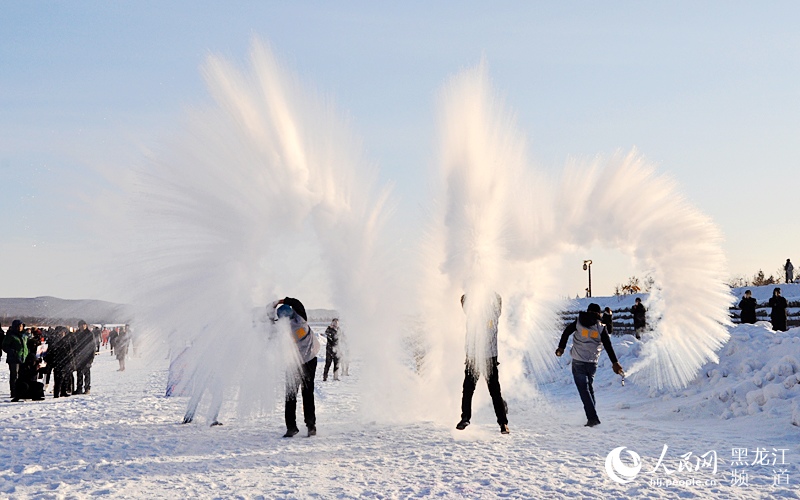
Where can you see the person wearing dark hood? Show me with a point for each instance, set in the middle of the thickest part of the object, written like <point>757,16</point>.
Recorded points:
<point>293,311</point>
<point>789,268</point>
<point>15,345</point>
<point>59,356</point>
<point>748,307</point>
<point>778,313</point>
<point>608,320</point>
<point>84,356</point>
<point>483,359</point>
<point>332,350</point>
<point>589,337</point>
<point>639,320</point>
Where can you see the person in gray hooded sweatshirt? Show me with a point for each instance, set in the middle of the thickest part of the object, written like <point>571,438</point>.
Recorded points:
<point>308,346</point>
<point>589,337</point>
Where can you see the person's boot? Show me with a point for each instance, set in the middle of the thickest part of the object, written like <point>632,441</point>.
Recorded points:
<point>504,429</point>
<point>291,432</point>
<point>462,425</point>
<point>86,392</point>
<point>592,423</point>
<point>312,431</point>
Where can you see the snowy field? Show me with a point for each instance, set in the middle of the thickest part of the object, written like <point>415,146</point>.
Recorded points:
<point>125,440</point>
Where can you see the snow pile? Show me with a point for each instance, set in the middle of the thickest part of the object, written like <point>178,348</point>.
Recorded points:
<point>759,371</point>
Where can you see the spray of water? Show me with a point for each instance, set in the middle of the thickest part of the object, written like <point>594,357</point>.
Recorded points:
<point>499,226</point>
<point>623,203</point>
<point>228,215</point>
<point>478,245</point>
<point>268,178</point>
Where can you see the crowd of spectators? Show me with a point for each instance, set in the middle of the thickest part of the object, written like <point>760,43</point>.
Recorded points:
<point>35,355</point>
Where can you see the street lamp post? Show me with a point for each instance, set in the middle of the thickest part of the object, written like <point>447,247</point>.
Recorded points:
<point>587,266</point>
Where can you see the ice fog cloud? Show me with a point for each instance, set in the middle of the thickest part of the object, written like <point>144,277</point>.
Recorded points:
<point>225,212</point>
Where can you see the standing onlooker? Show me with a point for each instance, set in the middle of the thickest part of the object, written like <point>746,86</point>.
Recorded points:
<point>608,320</point>
<point>2,337</point>
<point>789,268</point>
<point>104,336</point>
<point>59,355</point>
<point>122,348</point>
<point>778,313</point>
<point>483,358</point>
<point>96,337</point>
<point>84,356</point>
<point>639,321</point>
<point>748,307</point>
<point>15,344</point>
<point>589,337</point>
<point>112,339</point>
<point>293,311</point>
<point>332,350</point>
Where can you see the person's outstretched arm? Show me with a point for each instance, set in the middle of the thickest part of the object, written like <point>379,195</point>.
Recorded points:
<point>562,344</point>
<point>297,306</point>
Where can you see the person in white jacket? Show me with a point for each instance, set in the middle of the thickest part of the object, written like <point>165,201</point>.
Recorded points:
<point>308,347</point>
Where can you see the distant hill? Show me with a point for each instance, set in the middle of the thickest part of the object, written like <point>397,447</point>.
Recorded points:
<point>51,311</point>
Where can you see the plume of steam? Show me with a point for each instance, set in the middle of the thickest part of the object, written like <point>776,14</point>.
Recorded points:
<point>267,165</point>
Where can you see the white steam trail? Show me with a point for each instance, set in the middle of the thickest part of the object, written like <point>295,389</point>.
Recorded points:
<point>498,228</point>
<point>229,214</point>
<point>622,203</point>
<point>473,247</point>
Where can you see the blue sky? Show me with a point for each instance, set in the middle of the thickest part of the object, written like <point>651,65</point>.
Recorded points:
<point>707,90</point>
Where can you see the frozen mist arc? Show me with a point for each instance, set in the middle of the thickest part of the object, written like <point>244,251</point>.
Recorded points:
<point>264,193</point>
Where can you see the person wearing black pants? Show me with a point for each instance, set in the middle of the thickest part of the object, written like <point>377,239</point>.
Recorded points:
<point>84,356</point>
<point>493,381</point>
<point>15,344</point>
<point>482,357</point>
<point>292,315</point>
<point>332,350</point>
<point>305,383</point>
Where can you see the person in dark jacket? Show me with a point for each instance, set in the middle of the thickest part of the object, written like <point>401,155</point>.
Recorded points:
<point>15,345</point>
<point>778,313</point>
<point>59,356</point>
<point>589,337</point>
<point>96,336</point>
<point>332,350</point>
<point>639,320</point>
<point>112,339</point>
<point>481,347</point>
<point>293,311</point>
<point>84,356</point>
<point>27,385</point>
<point>608,320</point>
<point>748,307</point>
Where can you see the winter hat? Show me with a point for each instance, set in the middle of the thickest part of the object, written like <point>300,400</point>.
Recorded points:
<point>16,324</point>
<point>594,308</point>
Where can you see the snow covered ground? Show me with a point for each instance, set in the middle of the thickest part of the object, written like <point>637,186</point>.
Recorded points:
<point>125,440</point>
